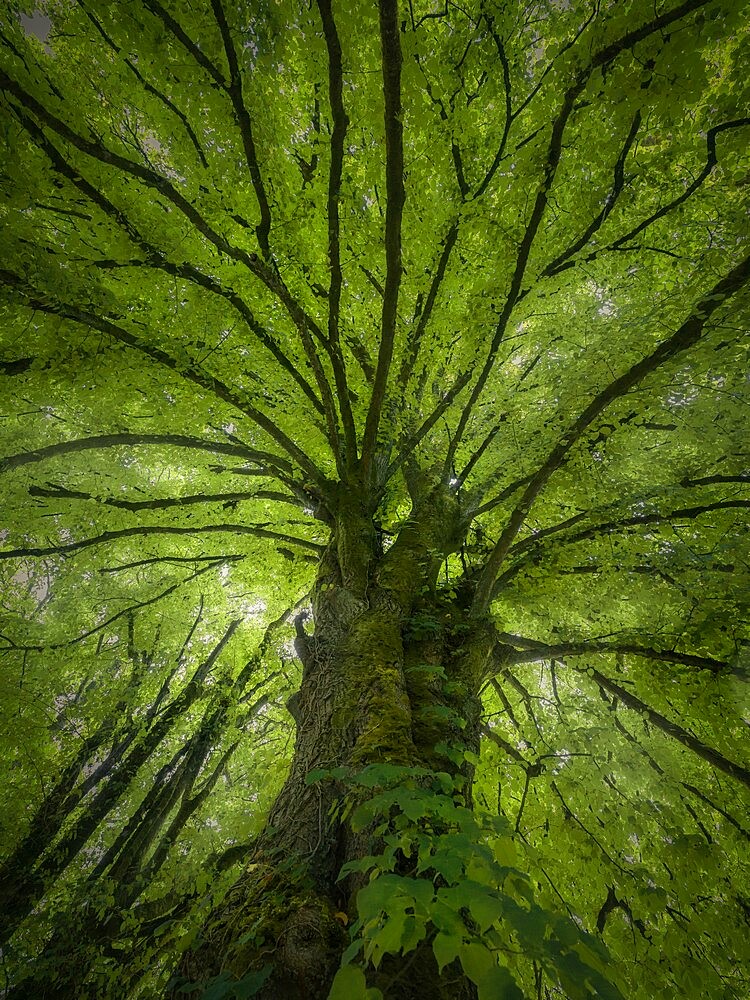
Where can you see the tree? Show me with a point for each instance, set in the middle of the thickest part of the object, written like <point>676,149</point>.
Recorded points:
<point>418,330</point>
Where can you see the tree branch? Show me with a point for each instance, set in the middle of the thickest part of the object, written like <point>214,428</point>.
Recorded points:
<point>535,542</point>
<point>478,452</point>
<point>54,492</point>
<point>598,221</point>
<point>412,441</point>
<point>503,495</point>
<point>99,441</point>
<point>688,334</point>
<point>215,562</point>
<point>149,88</point>
<point>338,138</point>
<point>510,115</point>
<point>228,557</point>
<point>414,337</point>
<point>156,259</point>
<point>533,651</point>
<point>192,374</point>
<point>713,757</point>
<point>163,186</point>
<point>458,166</point>
<point>554,153</point>
<point>508,748</point>
<point>257,530</point>
<point>722,812</point>
<point>181,35</point>
<point>396,195</point>
<point>562,263</point>
<point>711,480</point>
<point>234,91</point>
<point>601,58</point>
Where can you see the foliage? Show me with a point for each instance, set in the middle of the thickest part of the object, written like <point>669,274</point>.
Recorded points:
<point>305,305</point>
<point>476,906</point>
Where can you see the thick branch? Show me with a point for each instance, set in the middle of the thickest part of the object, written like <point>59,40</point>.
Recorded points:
<point>234,90</point>
<point>192,374</point>
<point>54,492</point>
<point>712,480</point>
<point>503,495</point>
<point>396,195</point>
<point>536,651</point>
<point>16,367</point>
<point>123,440</point>
<point>338,138</point>
<point>722,812</point>
<point>257,530</point>
<point>484,445</point>
<point>156,259</point>
<point>509,116</point>
<point>685,337</point>
<point>507,747</point>
<point>458,166</point>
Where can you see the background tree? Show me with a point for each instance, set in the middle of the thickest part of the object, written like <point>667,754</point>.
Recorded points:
<point>418,330</point>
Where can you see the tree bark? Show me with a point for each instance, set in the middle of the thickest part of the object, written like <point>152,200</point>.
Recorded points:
<point>367,696</point>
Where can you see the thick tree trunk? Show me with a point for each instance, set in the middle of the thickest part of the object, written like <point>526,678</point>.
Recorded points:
<point>365,698</point>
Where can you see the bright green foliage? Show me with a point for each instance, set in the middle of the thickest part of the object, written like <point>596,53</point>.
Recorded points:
<point>350,984</point>
<point>488,267</point>
<point>461,892</point>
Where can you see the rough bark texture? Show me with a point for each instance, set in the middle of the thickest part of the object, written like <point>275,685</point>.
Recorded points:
<point>365,698</point>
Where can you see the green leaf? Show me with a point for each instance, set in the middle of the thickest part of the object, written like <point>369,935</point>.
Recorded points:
<point>249,985</point>
<point>446,948</point>
<point>414,931</point>
<point>388,939</point>
<point>477,961</point>
<point>219,988</point>
<point>351,951</point>
<point>494,982</point>
<point>349,983</point>
<point>380,894</point>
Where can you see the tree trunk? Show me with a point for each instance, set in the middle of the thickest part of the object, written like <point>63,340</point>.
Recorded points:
<point>368,696</point>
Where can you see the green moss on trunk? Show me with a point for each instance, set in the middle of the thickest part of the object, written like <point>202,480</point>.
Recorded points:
<point>390,676</point>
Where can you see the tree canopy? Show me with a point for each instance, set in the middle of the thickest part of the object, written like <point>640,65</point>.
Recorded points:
<point>385,363</point>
